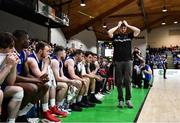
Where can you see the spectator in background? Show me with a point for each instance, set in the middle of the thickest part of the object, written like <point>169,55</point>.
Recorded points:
<point>146,73</point>
<point>163,61</point>
<point>137,58</point>
<point>151,62</point>
<point>177,66</point>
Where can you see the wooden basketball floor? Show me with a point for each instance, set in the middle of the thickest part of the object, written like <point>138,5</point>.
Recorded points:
<point>163,101</point>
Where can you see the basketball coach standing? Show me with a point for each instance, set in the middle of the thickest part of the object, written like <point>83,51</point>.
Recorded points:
<point>122,41</point>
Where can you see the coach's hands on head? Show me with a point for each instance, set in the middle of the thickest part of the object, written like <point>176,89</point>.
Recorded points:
<point>125,22</point>
<point>119,24</point>
<point>122,22</point>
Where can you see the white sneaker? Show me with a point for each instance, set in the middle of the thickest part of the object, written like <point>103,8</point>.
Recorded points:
<point>129,104</point>
<point>33,120</point>
<point>121,104</point>
<point>98,97</point>
<point>64,110</point>
<point>101,94</point>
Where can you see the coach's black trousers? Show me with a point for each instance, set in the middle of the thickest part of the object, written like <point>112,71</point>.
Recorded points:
<point>123,72</point>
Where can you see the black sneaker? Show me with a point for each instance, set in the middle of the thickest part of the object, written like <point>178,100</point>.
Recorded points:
<point>82,104</point>
<point>22,118</point>
<point>94,100</point>
<point>150,85</point>
<point>86,101</point>
<point>107,92</point>
<point>91,104</point>
<point>139,86</point>
<point>75,107</point>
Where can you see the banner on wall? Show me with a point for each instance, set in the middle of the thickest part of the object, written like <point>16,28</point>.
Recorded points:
<point>109,52</point>
<point>169,73</point>
<point>46,10</point>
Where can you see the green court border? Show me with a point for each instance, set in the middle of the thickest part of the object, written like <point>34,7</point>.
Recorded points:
<point>134,117</point>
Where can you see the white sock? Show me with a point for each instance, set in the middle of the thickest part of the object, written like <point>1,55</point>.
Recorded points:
<point>11,120</point>
<point>52,102</point>
<point>45,107</point>
<point>79,98</point>
<point>60,103</point>
<point>74,101</point>
<point>25,110</point>
<point>92,92</point>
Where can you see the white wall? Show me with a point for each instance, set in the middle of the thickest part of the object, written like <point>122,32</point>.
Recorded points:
<point>10,23</point>
<point>76,43</point>
<point>58,37</point>
<point>86,39</point>
<point>141,43</point>
<point>160,37</point>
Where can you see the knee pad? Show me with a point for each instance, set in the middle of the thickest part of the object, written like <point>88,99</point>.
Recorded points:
<point>18,96</point>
